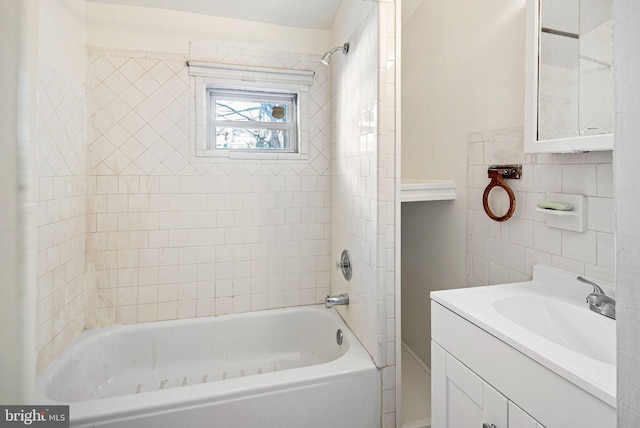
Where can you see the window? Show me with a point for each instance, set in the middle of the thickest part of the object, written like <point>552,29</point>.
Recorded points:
<point>252,113</point>
<point>252,121</point>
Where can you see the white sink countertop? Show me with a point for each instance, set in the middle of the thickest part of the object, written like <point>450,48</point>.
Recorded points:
<point>548,320</point>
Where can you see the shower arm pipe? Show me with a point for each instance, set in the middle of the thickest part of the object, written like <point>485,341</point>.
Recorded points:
<point>326,58</point>
<point>344,48</point>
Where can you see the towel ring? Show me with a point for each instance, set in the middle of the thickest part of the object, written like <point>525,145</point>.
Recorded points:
<point>497,181</point>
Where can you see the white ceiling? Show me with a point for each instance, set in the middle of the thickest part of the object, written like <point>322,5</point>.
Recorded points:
<point>315,14</point>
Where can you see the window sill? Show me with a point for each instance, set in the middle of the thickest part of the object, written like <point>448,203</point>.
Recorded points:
<point>228,154</point>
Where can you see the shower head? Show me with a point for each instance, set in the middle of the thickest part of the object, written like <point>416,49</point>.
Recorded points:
<point>326,58</point>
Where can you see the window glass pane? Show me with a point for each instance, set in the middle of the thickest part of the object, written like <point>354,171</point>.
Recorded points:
<point>248,139</point>
<point>258,111</point>
<point>252,120</point>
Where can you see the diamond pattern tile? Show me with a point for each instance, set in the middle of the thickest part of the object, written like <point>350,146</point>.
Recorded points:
<point>161,72</point>
<point>141,106</point>
<point>132,70</point>
<point>61,125</point>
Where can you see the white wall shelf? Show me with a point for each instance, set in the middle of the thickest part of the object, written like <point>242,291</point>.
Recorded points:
<point>417,190</point>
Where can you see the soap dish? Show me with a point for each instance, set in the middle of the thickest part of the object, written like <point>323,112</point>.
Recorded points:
<point>574,219</point>
<point>557,212</point>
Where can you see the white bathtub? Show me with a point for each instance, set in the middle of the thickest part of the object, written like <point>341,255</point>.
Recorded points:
<point>279,368</point>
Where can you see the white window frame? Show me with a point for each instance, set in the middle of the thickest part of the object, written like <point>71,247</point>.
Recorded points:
<point>290,99</point>
<point>209,76</point>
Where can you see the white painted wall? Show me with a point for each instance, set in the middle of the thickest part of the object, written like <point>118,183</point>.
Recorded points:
<point>62,37</point>
<point>349,15</point>
<point>463,70</point>
<point>627,205</point>
<point>150,29</point>
<point>18,55</point>
<point>408,7</point>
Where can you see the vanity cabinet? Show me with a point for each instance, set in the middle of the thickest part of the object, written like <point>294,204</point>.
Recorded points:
<point>461,399</point>
<point>519,419</point>
<point>479,379</point>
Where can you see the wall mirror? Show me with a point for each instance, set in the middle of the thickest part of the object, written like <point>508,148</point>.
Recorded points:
<point>569,89</point>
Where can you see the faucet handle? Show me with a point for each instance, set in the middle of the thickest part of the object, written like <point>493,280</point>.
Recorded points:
<point>345,265</point>
<point>596,287</point>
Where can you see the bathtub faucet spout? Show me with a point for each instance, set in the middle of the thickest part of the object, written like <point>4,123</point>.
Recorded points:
<point>340,299</point>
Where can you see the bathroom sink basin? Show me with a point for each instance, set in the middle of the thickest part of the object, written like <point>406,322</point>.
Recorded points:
<point>548,320</point>
<point>567,325</point>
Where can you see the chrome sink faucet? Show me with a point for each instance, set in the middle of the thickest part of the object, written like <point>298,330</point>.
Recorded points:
<point>340,299</point>
<point>598,301</point>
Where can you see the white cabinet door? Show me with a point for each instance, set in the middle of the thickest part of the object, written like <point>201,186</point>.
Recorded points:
<point>461,399</point>
<point>518,418</point>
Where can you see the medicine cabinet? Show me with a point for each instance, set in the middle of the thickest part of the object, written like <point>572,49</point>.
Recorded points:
<point>569,89</point>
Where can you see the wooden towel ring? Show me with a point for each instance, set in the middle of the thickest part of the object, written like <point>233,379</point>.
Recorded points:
<point>497,181</point>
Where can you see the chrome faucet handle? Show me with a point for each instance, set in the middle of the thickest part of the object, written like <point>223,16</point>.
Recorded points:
<point>345,265</point>
<point>598,301</point>
<point>596,287</point>
<point>602,304</point>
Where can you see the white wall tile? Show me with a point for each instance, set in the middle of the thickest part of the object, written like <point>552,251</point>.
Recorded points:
<point>480,269</point>
<point>525,239</point>
<point>579,246</point>
<point>185,214</point>
<point>62,221</point>
<point>361,198</point>
<point>570,265</point>
<point>521,232</point>
<point>605,250</point>
<point>604,174</point>
<point>492,250</point>
<point>600,214</point>
<point>547,178</point>
<point>513,256</point>
<point>579,179</point>
<point>498,274</point>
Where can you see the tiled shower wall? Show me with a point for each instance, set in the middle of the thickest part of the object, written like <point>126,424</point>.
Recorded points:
<point>506,252</point>
<point>363,192</point>
<point>386,204</point>
<point>354,185</point>
<point>170,235</point>
<point>61,208</point>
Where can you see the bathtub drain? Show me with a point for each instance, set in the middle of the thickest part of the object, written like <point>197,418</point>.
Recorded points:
<point>339,337</point>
